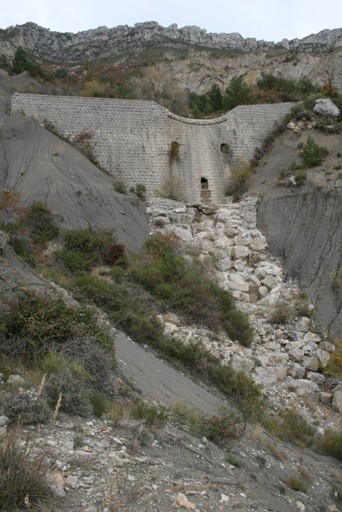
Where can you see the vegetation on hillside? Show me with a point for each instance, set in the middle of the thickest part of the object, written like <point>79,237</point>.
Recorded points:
<point>139,78</point>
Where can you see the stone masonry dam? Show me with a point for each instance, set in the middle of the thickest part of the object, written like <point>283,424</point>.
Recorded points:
<point>132,139</point>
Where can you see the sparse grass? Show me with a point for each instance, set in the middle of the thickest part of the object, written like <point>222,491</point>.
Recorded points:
<point>297,484</point>
<point>225,425</point>
<point>233,461</point>
<point>23,477</point>
<point>296,429</point>
<point>118,411</point>
<point>153,416</point>
<point>294,175</point>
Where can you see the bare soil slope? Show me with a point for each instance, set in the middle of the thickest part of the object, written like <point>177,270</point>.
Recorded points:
<point>303,223</point>
<point>43,168</point>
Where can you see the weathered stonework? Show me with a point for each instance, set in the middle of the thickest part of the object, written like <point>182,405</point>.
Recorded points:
<point>133,138</point>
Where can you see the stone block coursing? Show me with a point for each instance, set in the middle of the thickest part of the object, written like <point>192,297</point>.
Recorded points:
<point>132,138</point>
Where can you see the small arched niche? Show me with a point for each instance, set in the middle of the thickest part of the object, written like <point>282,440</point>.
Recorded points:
<point>204,184</point>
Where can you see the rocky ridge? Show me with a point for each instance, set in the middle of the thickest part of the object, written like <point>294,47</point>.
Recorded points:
<point>104,42</point>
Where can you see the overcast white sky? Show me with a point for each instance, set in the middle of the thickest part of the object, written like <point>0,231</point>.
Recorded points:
<point>271,20</point>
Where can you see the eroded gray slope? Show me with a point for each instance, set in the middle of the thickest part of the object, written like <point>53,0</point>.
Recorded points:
<point>303,224</point>
<point>43,168</point>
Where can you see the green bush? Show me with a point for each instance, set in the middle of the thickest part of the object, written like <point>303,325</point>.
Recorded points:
<point>238,327</point>
<point>164,291</point>
<point>42,321</point>
<point>92,282</point>
<point>117,273</point>
<point>42,222</point>
<point>77,261</point>
<point>88,240</point>
<point>140,191</point>
<point>98,402</point>
<point>119,186</point>
<point>149,276</point>
<point>85,248</point>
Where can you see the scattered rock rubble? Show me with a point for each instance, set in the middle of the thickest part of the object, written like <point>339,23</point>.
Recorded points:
<point>98,466</point>
<point>283,359</point>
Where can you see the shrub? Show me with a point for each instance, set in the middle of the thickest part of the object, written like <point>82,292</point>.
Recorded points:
<point>312,153</point>
<point>85,248</point>
<point>174,152</point>
<point>74,395</point>
<point>237,325</point>
<point>282,313</point>
<point>115,255</point>
<point>42,222</point>
<point>337,281</point>
<point>140,190</point>
<point>227,425</point>
<point>240,174</point>
<point>334,366</point>
<point>164,290</point>
<point>88,240</point>
<point>173,187</point>
<point>92,283</point>
<point>91,357</point>
<point>149,276</point>
<point>98,402</point>
<point>25,406</point>
<point>117,273</point>
<point>10,208</point>
<point>297,484</point>
<point>295,428</point>
<point>32,324</point>
<point>119,186</point>
<point>331,444</point>
<point>83,142</point>
<point>23,477</point>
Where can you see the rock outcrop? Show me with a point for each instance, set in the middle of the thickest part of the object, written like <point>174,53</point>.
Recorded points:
<point>88,45</point>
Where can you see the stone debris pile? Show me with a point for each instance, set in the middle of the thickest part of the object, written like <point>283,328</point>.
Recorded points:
<point>225,242</point>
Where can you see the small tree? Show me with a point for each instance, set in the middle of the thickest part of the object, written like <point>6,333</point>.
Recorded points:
<point>312,153</point>
<point>20,62</point>
<point>215,98</point>
<point>237,93</point>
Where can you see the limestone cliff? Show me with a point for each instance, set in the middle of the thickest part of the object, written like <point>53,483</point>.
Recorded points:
<point>103,42</point>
